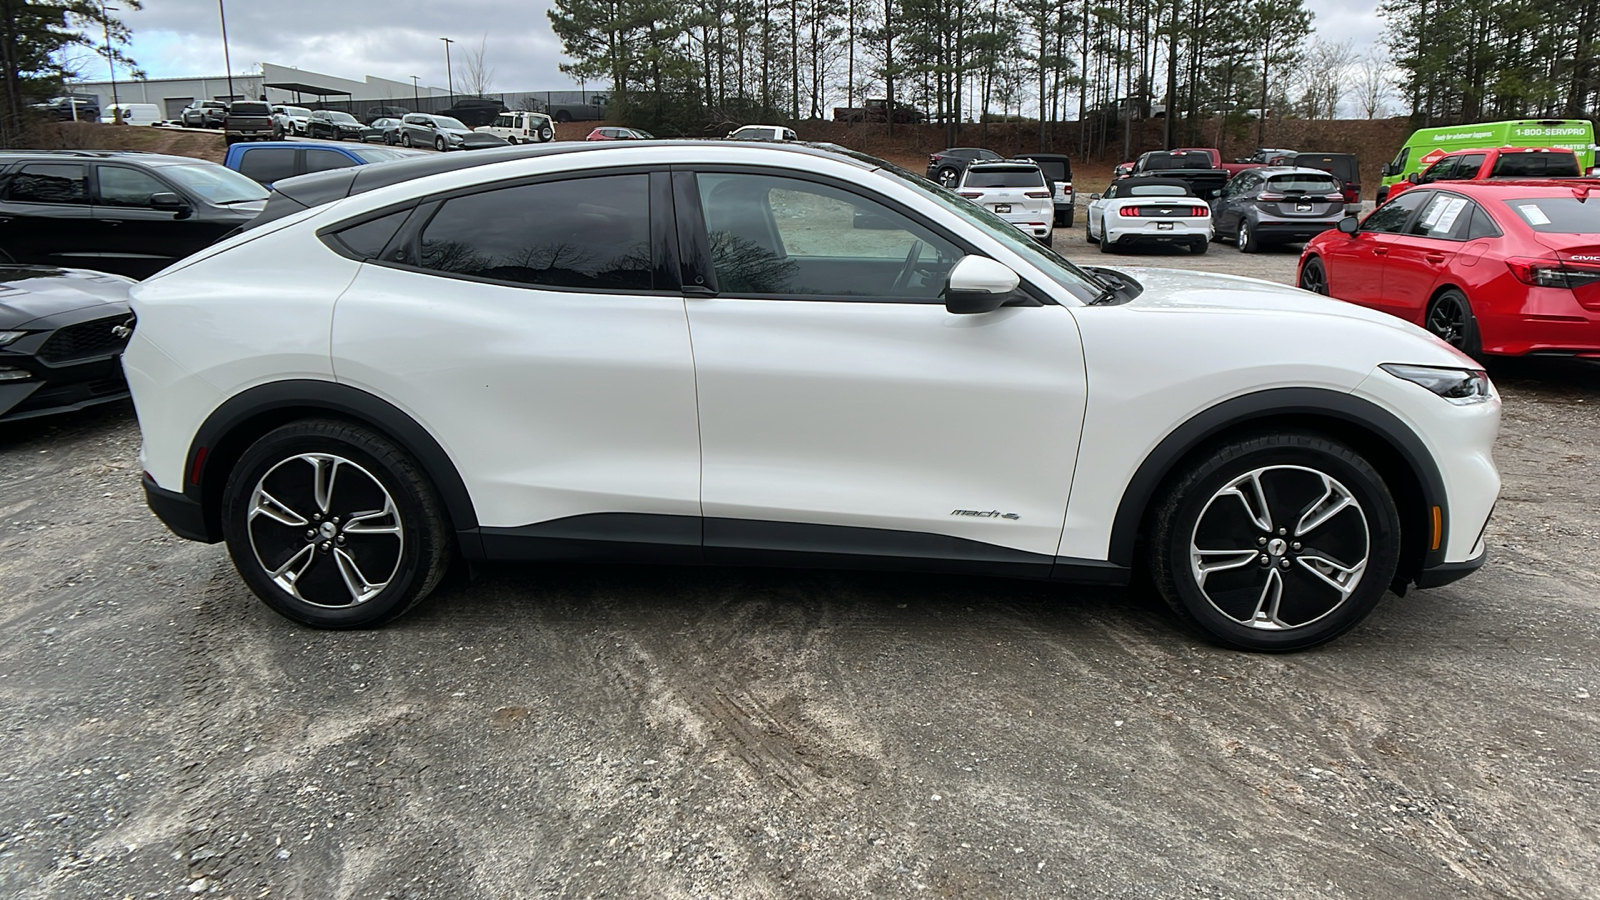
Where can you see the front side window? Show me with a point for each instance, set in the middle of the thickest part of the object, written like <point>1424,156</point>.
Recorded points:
<point>49,183</point>
<point>127,187</point>
<point>781,236</point>
<point>327,160</point>
<point>1391,217</point>
<point>1466,167</point>
<point>591,233</point>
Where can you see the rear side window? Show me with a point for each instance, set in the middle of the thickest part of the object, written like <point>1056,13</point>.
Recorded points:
<point>1536,165</point>
<point>1004,178</point>
<point>367,240</point>
<point>583,233</point>
<point>268,164</point>
<point>1558,215</point>
<point>49,183</point>
<point>326,160</point>
<point>1309,184</point>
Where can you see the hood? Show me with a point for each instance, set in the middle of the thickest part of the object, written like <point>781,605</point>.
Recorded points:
<point>28,293</point>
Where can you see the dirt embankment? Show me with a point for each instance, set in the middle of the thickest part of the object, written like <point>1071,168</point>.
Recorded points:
<point>88,136</point>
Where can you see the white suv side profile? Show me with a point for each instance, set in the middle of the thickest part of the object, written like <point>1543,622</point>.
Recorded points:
<point>520,127</point>
<point>490,357</point>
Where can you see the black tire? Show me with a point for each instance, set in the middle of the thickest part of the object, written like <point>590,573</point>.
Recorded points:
<point>563,116</point>
<point>1313,277</point>
<point>439,144</point>
<point>293,530</point>
<point>546,134</point>
<point>1088,235</point>
<point>1246,239</point>
<point>405,139</point>
<point>1231,506</point>
<point>1106,245</point>
<point>1199,248</point>
<point>1450,319</point>
<point>948,176</point>
<point>1048,240</point>
<point>1067,222</point>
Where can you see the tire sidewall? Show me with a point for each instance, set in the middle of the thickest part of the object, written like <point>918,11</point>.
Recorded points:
<point>1197,489</point>
<point>364,450</point>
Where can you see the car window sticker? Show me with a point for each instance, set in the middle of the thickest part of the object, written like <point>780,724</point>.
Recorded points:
<point>1533,214</point>
<point>1448,212</point>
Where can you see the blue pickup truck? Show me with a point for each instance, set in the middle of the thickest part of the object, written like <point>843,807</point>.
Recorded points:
<point>272,161</point>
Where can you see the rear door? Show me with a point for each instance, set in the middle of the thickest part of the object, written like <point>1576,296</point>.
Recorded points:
<point>842,408</point>
<point>578,400</point>
<point>1421,254</point>
<point>46,219</point>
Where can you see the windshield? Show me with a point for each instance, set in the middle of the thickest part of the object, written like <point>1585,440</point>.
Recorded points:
<point>215,183</point>
<point>644,135</point>
<point>1311,184</point>
<point>296,111</point>
<point>343,117</point>
<point>1017,176</point>
<point>1076,281</point>
<point>1559,215</point>
<point>447,122</point>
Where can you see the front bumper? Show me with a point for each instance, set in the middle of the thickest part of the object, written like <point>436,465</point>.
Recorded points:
<point>1033,224</point>
<point>1448,573</point>
<point>72,364</point>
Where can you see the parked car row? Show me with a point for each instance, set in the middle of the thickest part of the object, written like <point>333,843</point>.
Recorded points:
<point>271,162</point>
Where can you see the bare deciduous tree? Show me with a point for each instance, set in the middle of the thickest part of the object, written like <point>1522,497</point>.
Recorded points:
<point>1374,84</point>
<point>478,71</point>
<point>1325,77</point>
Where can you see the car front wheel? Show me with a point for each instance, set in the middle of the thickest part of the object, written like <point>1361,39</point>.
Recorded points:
<point>1088,233</point>
<point>1313,277</point>
<point>334,526</point>
<point>438,144</point>
<point>1276,542</point>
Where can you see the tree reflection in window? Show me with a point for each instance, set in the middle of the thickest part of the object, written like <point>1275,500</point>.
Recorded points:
<point>582,233</point>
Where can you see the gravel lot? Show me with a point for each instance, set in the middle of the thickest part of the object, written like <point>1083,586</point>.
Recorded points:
<point>631,731</point>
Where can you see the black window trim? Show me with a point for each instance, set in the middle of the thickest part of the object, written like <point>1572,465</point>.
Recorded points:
<point>695,246</point>
<point>410,232</point>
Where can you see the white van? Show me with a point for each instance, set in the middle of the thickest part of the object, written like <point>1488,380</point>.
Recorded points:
<point>519,127</point>
<point>133,114</point>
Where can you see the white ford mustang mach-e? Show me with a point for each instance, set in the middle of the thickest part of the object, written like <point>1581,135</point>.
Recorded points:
<point>765,354</point>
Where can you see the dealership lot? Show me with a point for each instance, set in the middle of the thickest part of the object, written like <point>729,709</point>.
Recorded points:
<point>608,730</point>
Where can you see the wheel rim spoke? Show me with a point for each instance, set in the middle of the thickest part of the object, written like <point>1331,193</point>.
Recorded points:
<point>1288,578</point>
<point>349,516</point>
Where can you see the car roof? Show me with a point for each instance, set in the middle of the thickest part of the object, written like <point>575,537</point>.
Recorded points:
<point>1510,150</point>
<point>1550,187</point>
<point>1269,171</point>
<point>152,159</point>
<point>319,188</point>
<point>1003,164</point>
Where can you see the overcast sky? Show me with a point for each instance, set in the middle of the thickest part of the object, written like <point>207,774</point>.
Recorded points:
<point>400,38</point>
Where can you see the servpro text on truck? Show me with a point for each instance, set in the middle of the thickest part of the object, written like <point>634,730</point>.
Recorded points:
<point>1428,144</point>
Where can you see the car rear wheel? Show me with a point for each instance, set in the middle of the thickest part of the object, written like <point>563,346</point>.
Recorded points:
<point>405,139</point>
<point>1199,248</point>
<point>1313,277</point>
<point>334,526</point>
<point>948,177</point>
<point>1246,238</point>
<point>1451,320</point>
<point>1276,542</point>
<point>1066,222</point>
<point>1106,245</point>
<point>546,134</point>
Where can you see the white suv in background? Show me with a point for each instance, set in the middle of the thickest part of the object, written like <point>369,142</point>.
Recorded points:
<point>763,133</point>
<point>1014,190</point>
<point>520,127</point>
<point>491,358</point>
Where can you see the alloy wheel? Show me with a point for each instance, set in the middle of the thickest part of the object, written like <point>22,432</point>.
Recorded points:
<point>1448,321</point>
<point>1280,547</point>
<point>325,530</point>
<point>1313,278</point>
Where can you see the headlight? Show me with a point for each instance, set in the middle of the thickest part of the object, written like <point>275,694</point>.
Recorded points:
<point>7,337</point>
<point>1460,386</point>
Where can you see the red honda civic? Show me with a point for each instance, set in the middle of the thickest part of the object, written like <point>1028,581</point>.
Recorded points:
<point>1506,268</point>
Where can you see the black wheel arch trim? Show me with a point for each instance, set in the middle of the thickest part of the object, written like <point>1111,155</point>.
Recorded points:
<point>270,405</point>
<point>1298,402</point>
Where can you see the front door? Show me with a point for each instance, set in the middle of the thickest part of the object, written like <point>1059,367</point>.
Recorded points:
<point>136,239</point>
<point>1355,264</point>
<point>843,410</point>
<point>555,368</point>
<point>1419,257</point>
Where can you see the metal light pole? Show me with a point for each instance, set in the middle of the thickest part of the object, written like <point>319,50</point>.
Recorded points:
<point>449,80</point>
<point>416,98</point>
<point>111,62</point>
<point>226,62</point>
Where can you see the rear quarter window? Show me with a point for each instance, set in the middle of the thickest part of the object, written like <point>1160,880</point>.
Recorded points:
<point>267,164</point>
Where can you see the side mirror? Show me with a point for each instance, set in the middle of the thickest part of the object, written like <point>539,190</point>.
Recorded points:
<point>978,284</point>
<point>1215,193</point>
<point>169,201</point>
<point>1349,225</point>
<point>1093,197</point>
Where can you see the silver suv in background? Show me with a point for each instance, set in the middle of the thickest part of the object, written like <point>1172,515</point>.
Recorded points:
<point>1271,206</point>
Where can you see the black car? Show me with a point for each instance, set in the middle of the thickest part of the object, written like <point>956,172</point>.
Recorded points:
<point>114,211</point>
<point>77,107</point>
<point>61,333</point>
<point>475,112</point>
<point>946,166</point>
<point>334,125</point>
<point>1057,169</point>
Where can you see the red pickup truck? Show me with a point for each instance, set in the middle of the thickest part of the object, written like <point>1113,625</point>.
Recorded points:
<point>1232,168</point>
<point>1494,162</point>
